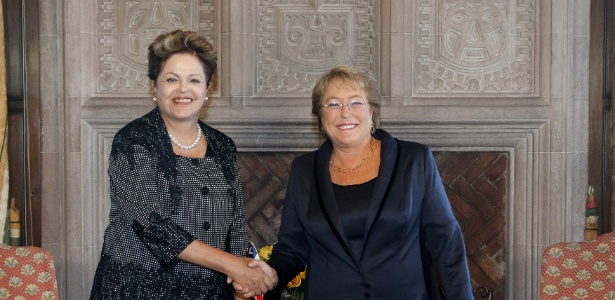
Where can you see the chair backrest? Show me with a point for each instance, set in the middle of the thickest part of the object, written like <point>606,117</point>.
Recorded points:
<point>579,270</point>
<point>28,272</point>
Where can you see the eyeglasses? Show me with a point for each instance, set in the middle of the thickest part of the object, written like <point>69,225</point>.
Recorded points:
<point>352,106</point>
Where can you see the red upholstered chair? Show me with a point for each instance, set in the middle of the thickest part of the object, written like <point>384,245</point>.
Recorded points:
<point>27,273</point>
<point>579,270</point>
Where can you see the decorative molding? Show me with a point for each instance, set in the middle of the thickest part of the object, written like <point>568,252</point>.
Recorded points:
<point>297,43</point>
<point>96,147</point>
<point>128,27</point>
<point>477,49</point>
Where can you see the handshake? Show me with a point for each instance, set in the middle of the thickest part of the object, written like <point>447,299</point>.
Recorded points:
<point>252,278</point>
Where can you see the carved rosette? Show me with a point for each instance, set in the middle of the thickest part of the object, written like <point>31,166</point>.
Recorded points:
<point>476,48</point>
<point>297,43</point>
<point>128,27</point>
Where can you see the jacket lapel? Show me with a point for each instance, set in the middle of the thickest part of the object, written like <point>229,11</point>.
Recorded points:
<point>326,197</point>
<point>389,157</point>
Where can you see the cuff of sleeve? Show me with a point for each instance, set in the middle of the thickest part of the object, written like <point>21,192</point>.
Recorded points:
<point>163,238</point>
<point>286,266</point>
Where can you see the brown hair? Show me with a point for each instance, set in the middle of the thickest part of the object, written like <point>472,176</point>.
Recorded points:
<point>350,76</point>
<point>179,41</point>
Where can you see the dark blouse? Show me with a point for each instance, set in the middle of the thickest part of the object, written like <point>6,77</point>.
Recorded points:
<point>160,203</point>
<point>353,201</point>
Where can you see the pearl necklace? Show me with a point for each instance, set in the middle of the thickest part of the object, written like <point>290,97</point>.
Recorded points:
<point>363,161</point>
<point>196,141</point>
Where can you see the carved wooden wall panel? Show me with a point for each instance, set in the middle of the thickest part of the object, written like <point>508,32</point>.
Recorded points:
<point>475,182</point>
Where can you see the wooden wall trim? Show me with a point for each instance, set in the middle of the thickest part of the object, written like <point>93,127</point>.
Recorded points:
<point>33,117</point>
<point>599,170</point>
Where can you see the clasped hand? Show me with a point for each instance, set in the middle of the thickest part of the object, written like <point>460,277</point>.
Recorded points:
<point>255,277</point>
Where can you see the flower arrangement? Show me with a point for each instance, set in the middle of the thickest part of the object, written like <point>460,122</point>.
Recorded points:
<point>293,290</point>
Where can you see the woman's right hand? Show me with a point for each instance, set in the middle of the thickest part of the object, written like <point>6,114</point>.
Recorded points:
<point>260,278</point>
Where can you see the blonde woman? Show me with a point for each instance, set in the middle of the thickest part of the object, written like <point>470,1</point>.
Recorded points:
<point>366,212</point>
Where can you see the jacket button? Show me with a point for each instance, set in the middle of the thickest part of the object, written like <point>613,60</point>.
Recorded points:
<point>367,295</point>
<point>229,192</point>
<point>206,225</point>
<point>195,161</point>
<point>204,190</point>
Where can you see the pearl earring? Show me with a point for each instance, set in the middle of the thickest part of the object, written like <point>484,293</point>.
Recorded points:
<point>206,98</point>
<point>155,99</point>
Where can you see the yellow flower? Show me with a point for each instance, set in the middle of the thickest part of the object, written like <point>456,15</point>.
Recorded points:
<point>296,282</point>
<point>265,252</point>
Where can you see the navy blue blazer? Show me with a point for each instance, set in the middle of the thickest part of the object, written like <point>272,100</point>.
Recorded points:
<point>409,225</point>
